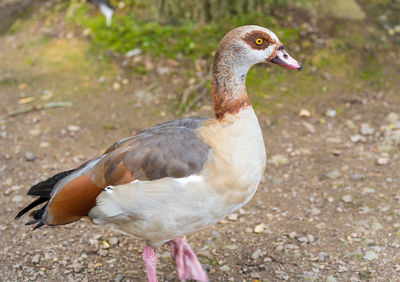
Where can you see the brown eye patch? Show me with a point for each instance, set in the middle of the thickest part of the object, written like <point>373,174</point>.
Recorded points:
<point>258,40</point>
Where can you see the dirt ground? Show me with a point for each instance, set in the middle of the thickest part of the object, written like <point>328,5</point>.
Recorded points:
<point>328,208</point>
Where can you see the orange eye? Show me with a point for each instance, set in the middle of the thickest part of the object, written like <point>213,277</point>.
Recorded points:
<point>259,41</point>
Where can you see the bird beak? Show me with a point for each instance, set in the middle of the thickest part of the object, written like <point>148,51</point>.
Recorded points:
<point>283,59</point>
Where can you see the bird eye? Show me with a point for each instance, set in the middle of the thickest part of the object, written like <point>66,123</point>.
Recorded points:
<point>259,41</point>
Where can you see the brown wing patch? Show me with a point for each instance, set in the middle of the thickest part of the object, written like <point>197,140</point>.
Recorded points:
<point>258,39</point>
<point>73,201</point>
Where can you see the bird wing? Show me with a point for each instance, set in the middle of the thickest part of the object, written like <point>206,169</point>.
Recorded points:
<point>170,149</point>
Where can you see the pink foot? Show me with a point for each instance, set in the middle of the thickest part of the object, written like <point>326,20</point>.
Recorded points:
<point>150,262</point>
<point>187,264</point>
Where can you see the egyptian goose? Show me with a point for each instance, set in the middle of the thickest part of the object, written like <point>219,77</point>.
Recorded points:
<point>106,8</point>
<point>179,176</point>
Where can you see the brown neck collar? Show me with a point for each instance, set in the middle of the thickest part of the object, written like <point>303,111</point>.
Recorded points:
<point>228,86</point>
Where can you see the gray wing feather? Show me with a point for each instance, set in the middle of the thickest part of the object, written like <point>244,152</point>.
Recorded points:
<point>170,149</point>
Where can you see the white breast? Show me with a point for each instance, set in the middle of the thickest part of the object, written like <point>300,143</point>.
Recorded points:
<point>238,159</point>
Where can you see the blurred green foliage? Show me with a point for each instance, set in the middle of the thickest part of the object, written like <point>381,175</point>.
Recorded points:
<point>338,55</point>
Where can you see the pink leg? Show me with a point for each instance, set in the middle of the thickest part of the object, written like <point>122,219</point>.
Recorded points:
<point>150,262</point>
<point>187,264</point>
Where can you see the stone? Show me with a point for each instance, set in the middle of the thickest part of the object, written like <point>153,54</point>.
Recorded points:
<point>310,238</point>
<point>366,129</point>
<point>255,275</point>
<point>278,160</point>
<point>256,254</point>
<point>34,131</point>
<point>304,113</point>
<point>333,174</point>
<point>113,241</point>
<point>367,190</point>
<point>357,177</point>
<point>44,144</point>
<point>78,267</point>
<point>392,117</point>
<point>133,52</point>
<point>233,216</point>
<point>73,128</point>
<point>314,211</point>
<point>116,85</point>
<point>382,161</point>
<point>17,198</point>
<point>259,228</point>
<point>347,199</point>
<point>330,113</point>
<point>322,256</point>
<point>357,138</point>
<point>225,268</point>
<point>30,157</point>
<point>370,255</point>
<point>36,259</point>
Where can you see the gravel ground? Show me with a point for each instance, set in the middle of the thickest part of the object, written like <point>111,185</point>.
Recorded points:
<point>328,208</point>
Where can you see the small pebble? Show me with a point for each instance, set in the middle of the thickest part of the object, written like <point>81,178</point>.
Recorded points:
<point>330,113</point>
<point>370,255</point>
<point>259,228</point>
<point>256,254</point>
<point>113,241</point>
<point>304,113</point>
<point>392,117</point>
<point>255,275</point>
<point>366,129</point>
<point>357,177</point>
<point>44,144</point>
<point>310,238</point>
<point>78,267</point>
<point>347,199</point>
<point>30,157</point>
<point>382,161</point>
<point>367,190</point>
<point>233,216</point>
<point>34,131</point>
<point>322,256</point>
<point>357,138</point>
<point>333,174</point>
<point>225,268</point>
<point>116,85</point>
<point>73,128</point>
<point>314,211</point>
<point>36,258</point>
<point>17,198</point>
<point>279,160</point>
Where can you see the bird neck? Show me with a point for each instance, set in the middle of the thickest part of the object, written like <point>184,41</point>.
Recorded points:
<point>228,84</point>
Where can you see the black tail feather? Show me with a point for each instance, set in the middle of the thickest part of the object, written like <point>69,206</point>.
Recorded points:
<point>43,190</point>
<point>38,225</point>
<point>33,221</point>
<point>35,203</point>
